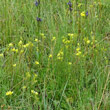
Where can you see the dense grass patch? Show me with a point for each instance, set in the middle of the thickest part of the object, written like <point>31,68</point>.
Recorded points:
<point>54,55</point>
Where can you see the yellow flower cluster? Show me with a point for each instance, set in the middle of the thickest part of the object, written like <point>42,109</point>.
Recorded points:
<point>83,14</point>
<point>78,52</point>
<point>50,56</point>
<point>34,92</point>
<point>14,50</point>
<point>9,93</point>
<point>87,41</point>
<point>60,55</point>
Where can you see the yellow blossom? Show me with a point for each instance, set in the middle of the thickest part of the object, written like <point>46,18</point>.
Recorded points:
<point>78,49</point>
<point>36,62</point>
<point>34,92</point>
<point>53,39</point>
<point>10,45</point>
<point>60,55</point>
<point>83,14</point>
<point>78,53</point>
<point>69,63</point>
<point>24,87</point>
<point>36,40</point>
<point>88,41</point>
<point>9,93</point>
<point>14,65</point>
<point>50,56</point>
<point>20,43</point>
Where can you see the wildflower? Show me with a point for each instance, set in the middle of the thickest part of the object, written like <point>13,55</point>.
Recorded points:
<point>9,93</point>
<point>78,49</point>
<point>27,45</point>
<point>20,43</point>
<point>1,55</point>
<point>14,65</point>
<point>42,34</point>
<point>69,3</point>
<point>38,19</point>
<point>86,13</point>
<point>88,41</point>
<point>53,39</point>
<point>36,62</point>
<point>36,40</point>
<point>69,63</point>
<point>34,92</point>
<point>24,87</point>
<point>70,34</point>
<point>50,56</point>
<point>78,53</point>
<point>10,45</point>
<point>13,49</point>
<point>83,14</point>
<point>37,3</point>
<point>60,55</point>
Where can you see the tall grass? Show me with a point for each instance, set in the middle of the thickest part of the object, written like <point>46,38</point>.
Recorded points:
<point>53,57</point>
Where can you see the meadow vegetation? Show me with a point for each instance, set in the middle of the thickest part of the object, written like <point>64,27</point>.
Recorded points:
<point>55,55</point>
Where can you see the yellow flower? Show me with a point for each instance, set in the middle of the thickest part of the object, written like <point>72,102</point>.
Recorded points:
<point>50,56</point>
<point>34,92</point>
<point>26,45</point>
<point>36,40</point>
<point>9,93</point>
<point>78,53</point>
<point>53,39</point>
<point>14,65</point>
<point>60,55</point>
<point>13,49</point>
<point>24,87</point>
<point>10,45</point>
<point>88,41</point>
<point>69,63</point>
<point>20,43</point>
<point>83,14</point>
<point>42,34</point>
<point>36,62</point>
<point>1,55</point>
<point>70,34</point>
<point>78,49</point>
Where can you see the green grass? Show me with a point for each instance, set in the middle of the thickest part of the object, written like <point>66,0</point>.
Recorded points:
<point>64,58</point>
